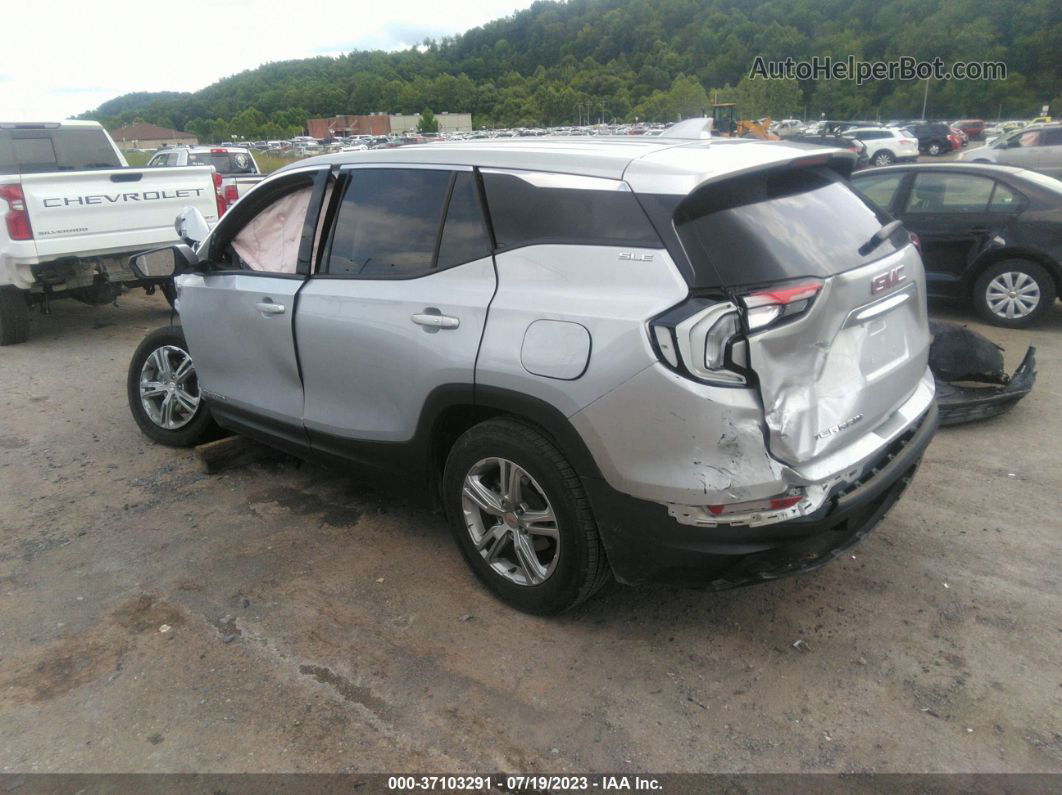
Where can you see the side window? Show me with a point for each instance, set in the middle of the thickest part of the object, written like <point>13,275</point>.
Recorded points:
<point>157,160</point>
<point>879,188</point>
<point>1004,200</point>
<point>464,235</point>
<point>935,192</point>
<point>266,236</point>
<point>1052,137</point>
<point>388,223</point>
<point>537,207</point>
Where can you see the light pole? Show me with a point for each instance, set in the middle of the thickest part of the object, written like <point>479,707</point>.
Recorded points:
<point>925,99</point>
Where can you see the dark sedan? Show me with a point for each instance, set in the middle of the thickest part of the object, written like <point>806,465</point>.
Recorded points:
<point>992,234</point>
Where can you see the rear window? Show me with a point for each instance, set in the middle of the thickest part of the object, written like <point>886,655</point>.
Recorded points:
<point>224,162</point>
<point>70,149</point>
<point>540,207</point>
<point>777,225</point>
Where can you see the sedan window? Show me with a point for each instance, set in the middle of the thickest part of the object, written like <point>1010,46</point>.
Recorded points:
<point>1004,200</point>
<point>879,188</point>
<point>937,192</point>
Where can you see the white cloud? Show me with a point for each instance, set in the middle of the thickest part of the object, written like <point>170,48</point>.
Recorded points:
<point>70,55</point>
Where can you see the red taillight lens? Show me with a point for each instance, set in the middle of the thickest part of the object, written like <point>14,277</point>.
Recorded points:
<point>231,194</point>
<point>917,241</point>
<point>771,304</point>
<point>17,216</point>
<point>222,204</point>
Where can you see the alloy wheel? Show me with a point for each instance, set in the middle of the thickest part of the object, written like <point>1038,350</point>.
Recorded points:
<point>511,521</point>
<point>169,389</point>
<point>1013,295</point>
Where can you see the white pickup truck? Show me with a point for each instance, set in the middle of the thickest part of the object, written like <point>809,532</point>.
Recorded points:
<point>74,212</point>
<point>236,165</point>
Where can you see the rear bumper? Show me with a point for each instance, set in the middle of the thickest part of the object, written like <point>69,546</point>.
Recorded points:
<point>645,544</point>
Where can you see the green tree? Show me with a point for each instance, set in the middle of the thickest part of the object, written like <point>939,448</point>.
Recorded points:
<point>428,123</point>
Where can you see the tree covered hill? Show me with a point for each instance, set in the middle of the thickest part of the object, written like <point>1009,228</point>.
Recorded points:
<point>656,60</point>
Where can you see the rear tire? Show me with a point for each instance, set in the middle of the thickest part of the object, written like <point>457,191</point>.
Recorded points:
<point>14,316</point>
<point>935,149</point>
<point>492,522</point>
<point>883,158</point>
<point>1015,286</point>
<point>163,391</point>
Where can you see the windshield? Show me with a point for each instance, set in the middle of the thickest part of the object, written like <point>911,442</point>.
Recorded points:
<point>36,151</point>
<point>224,162</point>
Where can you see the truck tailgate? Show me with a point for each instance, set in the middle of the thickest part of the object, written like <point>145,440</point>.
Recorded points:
<point>96,212</point>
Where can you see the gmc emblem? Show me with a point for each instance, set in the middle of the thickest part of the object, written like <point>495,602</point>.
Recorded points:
<point>887,280</point>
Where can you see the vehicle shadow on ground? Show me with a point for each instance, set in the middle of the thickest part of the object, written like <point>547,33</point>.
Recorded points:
<point>68,318</point>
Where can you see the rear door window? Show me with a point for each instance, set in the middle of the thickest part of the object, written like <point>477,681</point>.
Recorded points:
<point>464,235</point>
<point>937,192</point>
<point>879,188</point>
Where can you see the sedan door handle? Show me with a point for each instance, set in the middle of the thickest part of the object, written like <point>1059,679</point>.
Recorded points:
<point>435,320</point>
<point>269,308</point>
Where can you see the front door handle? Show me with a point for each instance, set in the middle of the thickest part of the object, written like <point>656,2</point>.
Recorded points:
<point>432,320</point>
<point>269,308</point>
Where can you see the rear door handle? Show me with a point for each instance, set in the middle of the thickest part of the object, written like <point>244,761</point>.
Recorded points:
<point>435,321</point>
<point>269,308</point>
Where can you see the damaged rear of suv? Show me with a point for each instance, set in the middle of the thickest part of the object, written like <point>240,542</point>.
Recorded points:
<point>697,362</point>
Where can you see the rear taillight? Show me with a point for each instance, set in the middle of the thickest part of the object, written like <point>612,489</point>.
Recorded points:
<point>698,338</point>
<point>767,306</point>
<point>222,204</point>
<point>17,216</point>
<point>916,240</point>
<point>232,195</point>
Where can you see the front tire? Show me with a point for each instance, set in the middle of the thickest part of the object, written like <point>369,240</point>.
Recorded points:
<point>163,391</point>
<point>14,316</point>
<point>1014,293</point>
<point>883,158</point>
<point>935,149</point>
<point>521,518</point>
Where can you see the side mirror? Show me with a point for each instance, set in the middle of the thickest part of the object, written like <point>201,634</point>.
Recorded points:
<point>164,263</point>
<point>191,226</point>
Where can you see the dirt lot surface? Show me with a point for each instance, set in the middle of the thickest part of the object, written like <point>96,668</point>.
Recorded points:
<point>281,617</point>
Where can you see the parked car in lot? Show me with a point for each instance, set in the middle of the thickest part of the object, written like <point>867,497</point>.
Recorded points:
<point>973,128</point>
<point>933,139</point>
<point>236,165</point>
<point>75,212</point>
<point>989,234</point>
<point>602,357</point>
<point>856,147</point>
<point>1037,148</point>
<point>886,145</point>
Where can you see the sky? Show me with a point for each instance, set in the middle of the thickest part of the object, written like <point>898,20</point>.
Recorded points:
<point>64,57</point>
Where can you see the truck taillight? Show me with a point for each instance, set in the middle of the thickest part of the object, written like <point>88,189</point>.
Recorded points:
<point>17,216</point>
<point>223,205</point>
<point>232,195</point>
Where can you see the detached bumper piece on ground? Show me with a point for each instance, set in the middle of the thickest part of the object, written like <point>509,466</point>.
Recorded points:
<point>971,382</point>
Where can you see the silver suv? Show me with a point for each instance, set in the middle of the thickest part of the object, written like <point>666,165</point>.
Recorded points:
<point>697,362</point>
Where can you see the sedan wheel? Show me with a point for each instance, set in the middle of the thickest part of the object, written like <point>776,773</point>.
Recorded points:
<point>884,159</point>
<point>935,149</point>
<point>1013,295</point>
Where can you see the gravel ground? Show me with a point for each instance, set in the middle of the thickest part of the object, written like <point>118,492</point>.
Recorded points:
<point>283,617</point>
